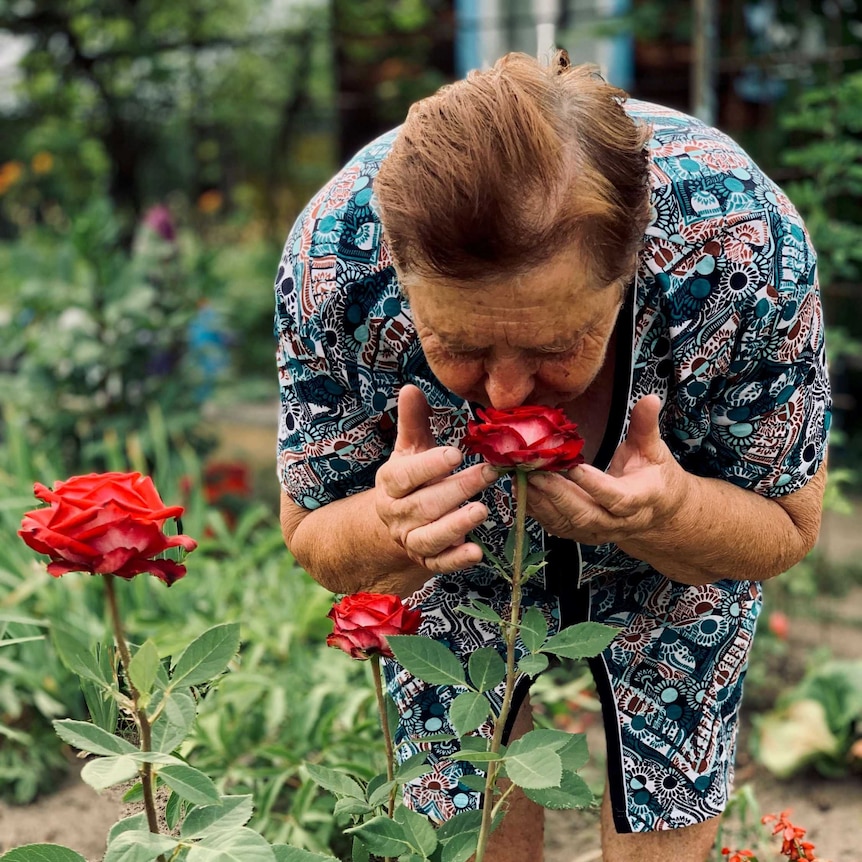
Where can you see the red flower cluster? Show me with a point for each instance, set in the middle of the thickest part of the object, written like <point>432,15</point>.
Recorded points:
<point>739,856</point>
<point>362,622</point>
<point>105,523</point>
<point>792,846</point>
<point>526,437</point>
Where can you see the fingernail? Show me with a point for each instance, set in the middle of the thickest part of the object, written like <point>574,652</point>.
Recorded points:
<point>489,474</point>
<point>453,456</point>
<point>538,480</point>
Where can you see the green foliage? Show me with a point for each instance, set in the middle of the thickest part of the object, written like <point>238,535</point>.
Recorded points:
<point>94,337</point>
<point>826,153</point>
<point>814,723</point>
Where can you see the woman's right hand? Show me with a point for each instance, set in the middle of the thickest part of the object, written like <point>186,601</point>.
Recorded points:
<point>421,501</point>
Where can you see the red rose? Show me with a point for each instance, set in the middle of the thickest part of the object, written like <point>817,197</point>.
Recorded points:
<point>529,438</point>
<point>105,523</point>
<point>362,622</point>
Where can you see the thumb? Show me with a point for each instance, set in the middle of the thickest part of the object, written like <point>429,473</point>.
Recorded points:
<point>644,429</point>
<point>414,425</point>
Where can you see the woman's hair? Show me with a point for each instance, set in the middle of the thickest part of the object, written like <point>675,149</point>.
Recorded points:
<point>504,170</point>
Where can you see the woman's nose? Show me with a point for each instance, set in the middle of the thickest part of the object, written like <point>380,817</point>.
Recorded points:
<point>508,382</point>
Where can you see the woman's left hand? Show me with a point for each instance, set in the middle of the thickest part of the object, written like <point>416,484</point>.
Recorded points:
<point>643,490</point>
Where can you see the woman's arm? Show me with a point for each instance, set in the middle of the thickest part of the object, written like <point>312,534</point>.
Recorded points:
<point>412,524</point>
<point>691,529</point>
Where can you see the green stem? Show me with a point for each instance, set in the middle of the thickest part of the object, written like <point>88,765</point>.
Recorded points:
<point>140,715</point>
<point>510,633</point>
<point>384,721</point>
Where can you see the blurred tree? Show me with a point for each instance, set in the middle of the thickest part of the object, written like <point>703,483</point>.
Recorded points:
<point>140,98</point>
<point>388,54</point>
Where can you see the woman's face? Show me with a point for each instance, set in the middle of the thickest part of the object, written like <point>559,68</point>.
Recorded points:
<point>537,338</point>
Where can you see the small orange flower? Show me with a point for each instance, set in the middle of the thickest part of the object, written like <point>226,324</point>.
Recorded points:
<point>210,202</point>
<point>779,625</point>
<point>42,162</point>
<point>10,173</point>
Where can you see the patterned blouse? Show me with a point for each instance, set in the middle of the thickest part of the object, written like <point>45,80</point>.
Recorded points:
<point>723,322</point>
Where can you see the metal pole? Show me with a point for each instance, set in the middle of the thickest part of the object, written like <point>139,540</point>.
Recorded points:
<point>704,59</point>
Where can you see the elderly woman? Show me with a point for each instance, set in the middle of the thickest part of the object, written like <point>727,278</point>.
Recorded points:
<point>529,236</point>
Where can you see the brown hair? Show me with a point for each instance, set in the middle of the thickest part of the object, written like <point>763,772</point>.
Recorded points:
<point>503,170</point>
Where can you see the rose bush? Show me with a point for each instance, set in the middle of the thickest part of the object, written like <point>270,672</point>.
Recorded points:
<point>362,622</point>
<point>105,523</point>
<point>527,437</point>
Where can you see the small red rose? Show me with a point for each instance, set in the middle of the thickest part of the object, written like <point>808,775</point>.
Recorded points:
<point>105,523</point>
<point>363,621</point>
<point>526,438</point>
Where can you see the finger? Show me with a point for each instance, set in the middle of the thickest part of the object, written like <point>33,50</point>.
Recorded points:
<point>644,431</point>
<point>560,505</point>
<point>433,539</point>
<point>454,559</point>
<point>614,495</point>
<point>432,501</point>
<point>400,477</point>
<point>414,425</point>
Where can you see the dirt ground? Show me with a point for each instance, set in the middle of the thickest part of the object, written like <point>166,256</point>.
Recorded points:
<point>831,810</point>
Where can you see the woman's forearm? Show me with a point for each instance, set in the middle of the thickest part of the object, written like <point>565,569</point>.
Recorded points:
<point>346,548</point>
<point>724,531</point>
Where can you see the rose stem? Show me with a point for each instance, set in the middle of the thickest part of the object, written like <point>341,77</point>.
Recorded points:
<point>141,719</point>
<point>510,632</point>
<point>384,721</point>
<point>376,671</point>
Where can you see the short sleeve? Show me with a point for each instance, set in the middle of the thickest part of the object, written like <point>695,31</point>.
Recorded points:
<point>336,420</point>
<point>753,390</point>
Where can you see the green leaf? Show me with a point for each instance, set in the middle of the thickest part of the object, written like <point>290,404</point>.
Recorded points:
<point>175,721</point>
<point>238,845</point>
<point>379,795</point>
<point>286,853</point>
<point>359,852</point>
<point>427,660</point>
<point>88,737</point>
<point>173,810</point>
<point>101,705</point>
<point>135,823</point>
<point>42,853</point>
<point>143,667</point>
<point>228,813</point>
<point>534,629</point>
<point>348,806</point>
<point>487,668</point>
<point>465,821</point>
<point>574,753</point>
<point>334,781</point>
<point>207,656</point>
<point>573,792</point>
<point>75,653</point>
<point>583,640</point>
<point>139,846</point>
<point>107,771</point>
<point>531,764</point>
<point>413,767</point>
<point>382,836</point>
<point>468,711</point>
<point>480,611</point>
<point>533,665</point>
<point>190,783</point>
<point>461,847</point>
<point>417,830</point>
<point>473,782</point>
<point>135,793</point>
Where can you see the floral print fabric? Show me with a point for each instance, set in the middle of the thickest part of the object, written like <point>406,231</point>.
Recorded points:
<point>723,322</point>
